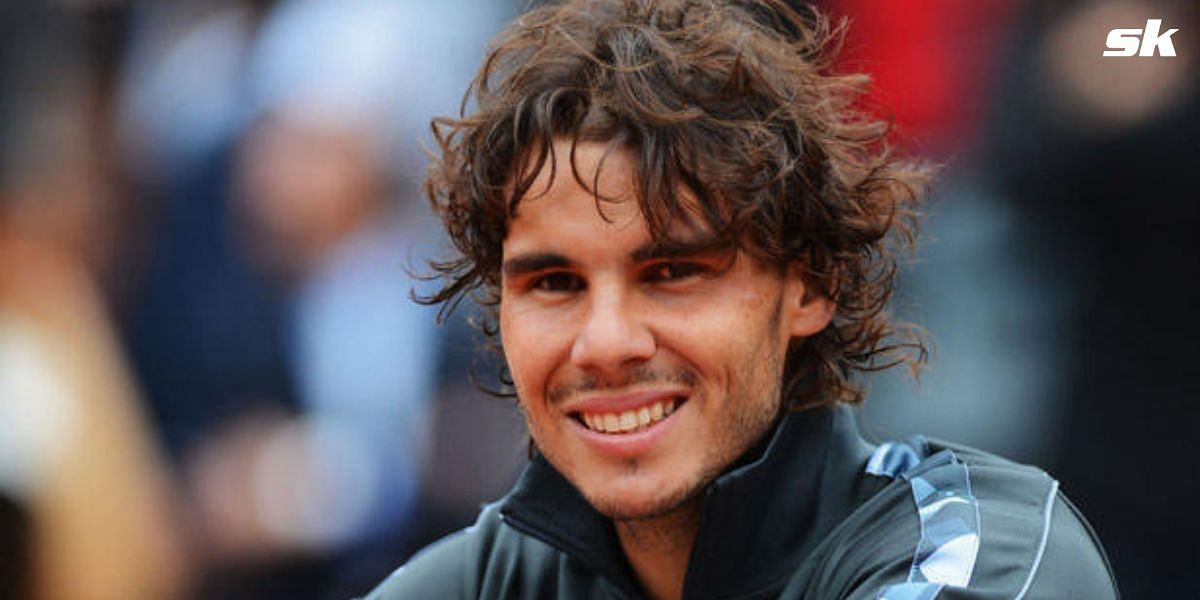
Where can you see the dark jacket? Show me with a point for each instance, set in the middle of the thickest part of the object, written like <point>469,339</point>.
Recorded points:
<point>814,512</point>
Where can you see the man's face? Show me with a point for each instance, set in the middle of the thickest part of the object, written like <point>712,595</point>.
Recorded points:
<point>643,369</point>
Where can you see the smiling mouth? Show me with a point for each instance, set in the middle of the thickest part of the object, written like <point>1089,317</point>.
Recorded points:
<point>629,421</point>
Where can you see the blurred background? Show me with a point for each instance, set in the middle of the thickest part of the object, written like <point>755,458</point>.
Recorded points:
<point>213,383</point>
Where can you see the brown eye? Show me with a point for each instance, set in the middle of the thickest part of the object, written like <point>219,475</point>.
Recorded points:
<point>674,271</point>
<point>558,282</point>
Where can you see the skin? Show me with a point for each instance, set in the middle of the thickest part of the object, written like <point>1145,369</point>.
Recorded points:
<point>302,189</point>
<point>591,308</point>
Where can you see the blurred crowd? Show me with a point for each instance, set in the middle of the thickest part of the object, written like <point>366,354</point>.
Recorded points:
<point>214,382</point>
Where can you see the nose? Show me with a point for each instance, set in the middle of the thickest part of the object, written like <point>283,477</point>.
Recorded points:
<point>614,333</point>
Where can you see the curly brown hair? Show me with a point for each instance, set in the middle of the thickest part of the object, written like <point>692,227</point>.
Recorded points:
<point>735,100</point>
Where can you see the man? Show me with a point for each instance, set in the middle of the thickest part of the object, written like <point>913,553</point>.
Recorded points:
<point>685,234</point>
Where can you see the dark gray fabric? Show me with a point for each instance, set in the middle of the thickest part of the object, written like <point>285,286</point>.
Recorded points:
<point>874,547</point>
<point>797,518</point>
<point>1074,566</point>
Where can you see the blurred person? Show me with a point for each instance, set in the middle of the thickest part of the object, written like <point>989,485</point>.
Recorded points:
<point>686,236</point>
<point>315,214</point>
<point>934,66</point>
<point>204,332</point>
<point>1096,158</point>
<point>201,328</point>
<point>279,298</point>
<point>77,461</point>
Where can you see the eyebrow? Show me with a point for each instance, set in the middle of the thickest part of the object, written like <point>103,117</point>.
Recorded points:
<point>533,263</point>
<point>668,249</point>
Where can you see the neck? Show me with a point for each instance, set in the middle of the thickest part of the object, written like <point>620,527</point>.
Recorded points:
<point>658,549</point>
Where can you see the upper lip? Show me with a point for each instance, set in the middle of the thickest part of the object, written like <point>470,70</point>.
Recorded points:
<point>617,403</point>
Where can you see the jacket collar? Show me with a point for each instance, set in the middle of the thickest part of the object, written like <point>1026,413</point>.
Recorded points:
<point>759,520</point>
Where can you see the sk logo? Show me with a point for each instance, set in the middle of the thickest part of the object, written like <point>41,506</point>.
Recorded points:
<point>1125,42</point>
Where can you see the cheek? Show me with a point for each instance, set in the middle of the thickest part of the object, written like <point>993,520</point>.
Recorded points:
<point>530,346</point>
<point>739,346</point>
<point>736,330</point>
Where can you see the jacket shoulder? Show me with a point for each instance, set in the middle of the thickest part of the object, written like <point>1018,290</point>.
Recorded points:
<point>1073,563</point>
<point>958,523</point>
<point>487,559</point>
<point>441,569</point>
<point>1028,526</point>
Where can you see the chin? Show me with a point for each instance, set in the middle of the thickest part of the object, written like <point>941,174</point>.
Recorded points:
<point>644,499</point>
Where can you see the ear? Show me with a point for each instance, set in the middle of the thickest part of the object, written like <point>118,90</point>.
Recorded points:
<point>806,310</point>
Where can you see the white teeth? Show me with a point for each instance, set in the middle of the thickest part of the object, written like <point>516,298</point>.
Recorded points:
<point>612,422</point>
<point>630,420</point>
<point>656,411</point>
